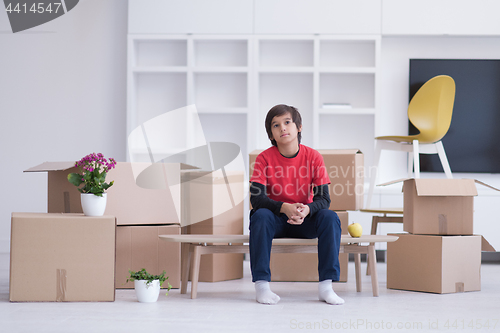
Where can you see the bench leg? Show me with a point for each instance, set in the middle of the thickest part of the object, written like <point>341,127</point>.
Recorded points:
<point>373,268</point>
<point>375,221</point>
<point>357,264</point>
<point>185,261</point>
<point>195,269</point>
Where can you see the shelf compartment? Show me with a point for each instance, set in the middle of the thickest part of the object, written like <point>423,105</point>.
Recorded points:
<point>348,70</point>
<point>223,110</point>
<point>221,90</point>
<point>283,53</point>
<point>159,52</point>
<point>286,70</point>
<point>345,111</point>
<point>226,128</point>
<point>160,69</point>
<point>358,90</point>
<point>157,93</point>
<point>347,132</point>
<point>347,53</point>
<point>294,89</point>
<point>219,69</point>
<point>222,53</point>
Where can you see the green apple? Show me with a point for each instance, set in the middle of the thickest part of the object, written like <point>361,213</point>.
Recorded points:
<point>355,229</point>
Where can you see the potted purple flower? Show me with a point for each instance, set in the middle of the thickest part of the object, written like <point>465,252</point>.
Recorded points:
<point>93,170</point>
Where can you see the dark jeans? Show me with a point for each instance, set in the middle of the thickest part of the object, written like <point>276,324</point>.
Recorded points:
<point>324,225</point>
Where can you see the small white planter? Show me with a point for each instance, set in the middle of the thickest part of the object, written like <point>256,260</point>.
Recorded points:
<point>93,205</point>
<point>147,293</point>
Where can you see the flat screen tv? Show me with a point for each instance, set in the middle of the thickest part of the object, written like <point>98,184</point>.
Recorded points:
<point>472,143</point>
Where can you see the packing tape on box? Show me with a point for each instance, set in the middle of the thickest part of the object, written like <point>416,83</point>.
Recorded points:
<point>61,285</point>
<point>459,287</point>
<point>443,224</point>
<point>67,207</point>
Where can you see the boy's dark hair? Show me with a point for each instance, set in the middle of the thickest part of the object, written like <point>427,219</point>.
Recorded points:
<point>280,110</point>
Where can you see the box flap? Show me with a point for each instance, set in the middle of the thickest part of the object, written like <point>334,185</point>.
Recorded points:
<point>187,166</point>
<point>446,187</point>
<point>426,185</point>
<point>486,246</point>
<point>484,184</point>
<point>394,182</point>
<point>339,151</point>
<point>51,166</point>
<point>256,152</point>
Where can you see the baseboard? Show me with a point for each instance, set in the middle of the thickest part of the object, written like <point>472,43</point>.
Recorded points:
<point>486,257</point>
<point>379,253</point>
<point>490,257</point>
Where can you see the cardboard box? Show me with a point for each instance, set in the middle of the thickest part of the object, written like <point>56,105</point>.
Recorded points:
<point>439,206</point>
<point>156,201</point>
<point>304,266</point>
<point>62,257</point>
<point>139,247</point>
<point>345,168</point>
<point>436,264</point>
<point>213,204</point>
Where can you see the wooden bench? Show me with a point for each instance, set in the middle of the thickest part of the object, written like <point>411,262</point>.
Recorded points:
<point>193,246</point>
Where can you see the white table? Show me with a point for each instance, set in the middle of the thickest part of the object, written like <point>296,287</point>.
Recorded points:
<point>193,246</point>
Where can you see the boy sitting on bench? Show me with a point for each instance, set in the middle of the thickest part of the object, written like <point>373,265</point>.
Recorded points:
<point>290,199</point>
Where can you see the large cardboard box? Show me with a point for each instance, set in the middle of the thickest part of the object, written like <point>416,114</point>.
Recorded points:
<point>62,257</point>
<point>139,247</point>
<point>213,204</point>
<point>345,168</point>
<point>304,266</point>
<point>436,264</point>
<point>156,200</point>
<point>439,206</point>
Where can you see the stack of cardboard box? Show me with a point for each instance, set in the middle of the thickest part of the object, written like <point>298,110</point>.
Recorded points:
<point>142,213</point>
<point>439,254</point>
<point>212,203</point>
<point>345,169</point>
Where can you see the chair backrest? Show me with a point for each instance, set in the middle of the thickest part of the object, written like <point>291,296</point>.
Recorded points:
<point>431,108</point>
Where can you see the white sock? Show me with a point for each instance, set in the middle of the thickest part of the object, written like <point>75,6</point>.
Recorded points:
<point>327,294</point>
<point>264,294</point>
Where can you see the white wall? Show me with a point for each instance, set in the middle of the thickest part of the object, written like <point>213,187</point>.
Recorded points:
<point>62,96</point>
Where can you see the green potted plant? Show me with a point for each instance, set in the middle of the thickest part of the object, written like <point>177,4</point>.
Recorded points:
<point>93,170</point>
<point>147,286</point>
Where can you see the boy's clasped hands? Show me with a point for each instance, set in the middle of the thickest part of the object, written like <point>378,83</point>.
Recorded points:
<point>296,212</point>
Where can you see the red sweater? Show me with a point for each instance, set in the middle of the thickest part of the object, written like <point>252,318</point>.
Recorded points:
<point>290,180</point>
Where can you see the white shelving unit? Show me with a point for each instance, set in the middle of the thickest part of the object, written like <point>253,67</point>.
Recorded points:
<point>235,79</point>
<point>309,71</point>
<point>346,77</point>
<point>168,72</point>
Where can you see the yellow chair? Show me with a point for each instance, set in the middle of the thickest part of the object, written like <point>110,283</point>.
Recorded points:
<point>430,111</point>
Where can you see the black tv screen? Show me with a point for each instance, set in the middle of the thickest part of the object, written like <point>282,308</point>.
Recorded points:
<point>472,143</point>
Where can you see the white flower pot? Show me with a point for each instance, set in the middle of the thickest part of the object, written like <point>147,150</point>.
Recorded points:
<point>147,293</point>
<point>93,205</point>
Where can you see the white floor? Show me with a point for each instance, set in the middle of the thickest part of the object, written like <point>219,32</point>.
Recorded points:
<point>230,307</point>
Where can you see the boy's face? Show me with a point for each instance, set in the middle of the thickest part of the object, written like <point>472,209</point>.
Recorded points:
<point>284,130</point>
